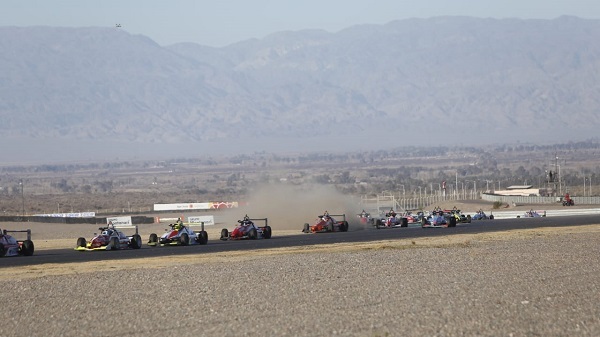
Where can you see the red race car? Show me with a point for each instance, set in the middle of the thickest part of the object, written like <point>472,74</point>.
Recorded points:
<point>326,223</point>
<point>247,229</point>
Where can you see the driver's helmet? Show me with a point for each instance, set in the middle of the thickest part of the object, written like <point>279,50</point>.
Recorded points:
<point>111,225</point>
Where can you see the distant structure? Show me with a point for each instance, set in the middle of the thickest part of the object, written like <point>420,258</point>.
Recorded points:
<point>522,191</point>
<point>118,25</point>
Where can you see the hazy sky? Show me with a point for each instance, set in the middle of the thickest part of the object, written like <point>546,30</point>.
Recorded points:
<point>221,22</point>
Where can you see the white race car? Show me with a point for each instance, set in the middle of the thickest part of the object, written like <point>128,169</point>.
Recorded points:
<point>179,235</point>
<point>10,246</point>
<point>110,238</point>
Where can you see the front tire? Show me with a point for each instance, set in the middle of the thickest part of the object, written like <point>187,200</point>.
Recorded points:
<point>114,243</point>
<point>252,234</point>
<point>81,242</point>
<point>2,250</point>
<point>306,228</point>
<point>224,234</point>
<point>404,222</point>
<point>184,239</point>
<point>202,238</point>
<point>153,238</point>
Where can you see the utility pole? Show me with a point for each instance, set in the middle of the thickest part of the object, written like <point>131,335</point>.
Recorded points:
<point>22,198</point>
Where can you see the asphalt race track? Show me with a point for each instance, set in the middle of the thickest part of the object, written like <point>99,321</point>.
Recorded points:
<point>353,235</point>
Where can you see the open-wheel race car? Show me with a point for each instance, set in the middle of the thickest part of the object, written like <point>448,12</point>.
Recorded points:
<point>480,215</point>
<point>326,223</point>
<point>11,246</point>
<point>438,219</point>
<point>110,238</point>
<point>460,217</point>
<point>179,234</point>
<point>247,229</point>
<point>391,220</point>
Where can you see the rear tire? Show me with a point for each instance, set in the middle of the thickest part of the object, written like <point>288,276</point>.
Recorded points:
<point>344,226</point>
<point>404,222</point>
<point>452,222</point>
<point>136,241</point>
<point>202,238</point>
<point>81,242</point>
<point>491,216</point>
<point>267,232</point>
<point>153,238</point>
<point>378,224</point>
<point>27,248</point>
<point>469,218</point>
<point>2,250</point>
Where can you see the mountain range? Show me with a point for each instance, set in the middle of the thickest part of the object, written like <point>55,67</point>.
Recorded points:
<point>94,92</point>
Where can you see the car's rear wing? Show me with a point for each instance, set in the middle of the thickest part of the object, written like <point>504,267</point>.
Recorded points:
<point>266,220</point>
<point>28,231</point>
<point>122,227</point>
<point>343,216</point>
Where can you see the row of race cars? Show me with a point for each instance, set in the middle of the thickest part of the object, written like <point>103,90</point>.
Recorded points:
<point>437,218</point>
<point>112,237</point>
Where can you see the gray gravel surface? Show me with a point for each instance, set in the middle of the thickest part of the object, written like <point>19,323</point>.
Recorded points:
<point>540,286</point>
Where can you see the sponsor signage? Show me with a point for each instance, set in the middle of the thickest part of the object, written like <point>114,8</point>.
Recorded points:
<point>195,205</point>
<point>120,221</point>
<point>209,220</point>
<point>69,215</point>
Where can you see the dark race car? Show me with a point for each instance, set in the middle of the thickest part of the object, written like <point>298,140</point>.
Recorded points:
<point>11,246</point>
<point>437,219</point>
<point>247,229</point>
<point>326,223</point>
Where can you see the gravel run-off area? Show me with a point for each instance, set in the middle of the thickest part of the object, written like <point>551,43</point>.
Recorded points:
<point>533,283</point>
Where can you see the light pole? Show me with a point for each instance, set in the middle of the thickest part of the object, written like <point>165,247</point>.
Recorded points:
<point>22,198</point>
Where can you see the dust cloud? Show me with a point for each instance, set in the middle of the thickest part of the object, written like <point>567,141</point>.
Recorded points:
<point>290,207</point>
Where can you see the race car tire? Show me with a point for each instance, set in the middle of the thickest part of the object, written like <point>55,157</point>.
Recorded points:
<point>136,241</point>
<point>344,226</point>
<point>423,222</point>
<point>81,242</point>
<point>252,234</point>
<point>469,218</point>
<point>330,227</point>
<point>184,239</point>
<point>491,216</point>
<point>452,222</point>
<point>153,238</point>
<point>404,222</point>
<point>378,224</point>
<point>114,243</point>
<point>202,238</point>
<point>27,248</point>
<point>306,228</point>
<point>2,250</point>
<point>267,232</point>
<point>224,234</point>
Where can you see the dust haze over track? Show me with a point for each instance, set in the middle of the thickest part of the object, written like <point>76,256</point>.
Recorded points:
<point>289,207</point>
